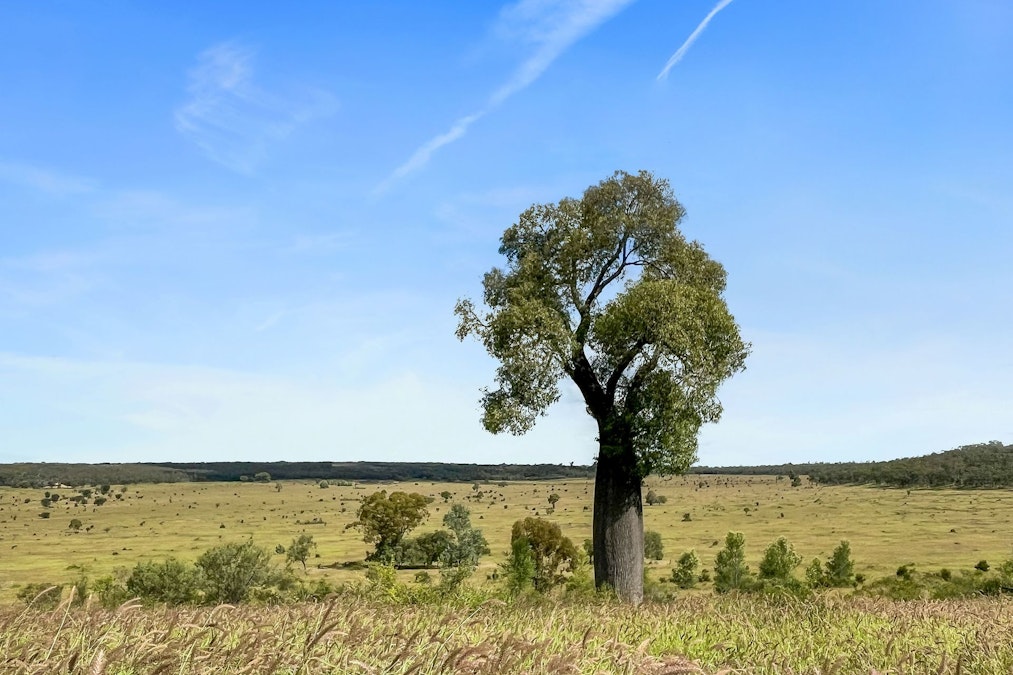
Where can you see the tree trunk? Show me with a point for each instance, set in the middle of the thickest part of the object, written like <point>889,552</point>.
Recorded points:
<point>618,524</point>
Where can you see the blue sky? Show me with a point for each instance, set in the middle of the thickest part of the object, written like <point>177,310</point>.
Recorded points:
<point>237,230</point>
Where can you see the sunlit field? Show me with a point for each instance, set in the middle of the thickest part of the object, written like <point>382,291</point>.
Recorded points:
<point>886,527</point>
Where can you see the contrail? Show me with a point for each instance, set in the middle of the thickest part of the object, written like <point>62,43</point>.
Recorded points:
<point>553,26</point>
<point>681,52</point>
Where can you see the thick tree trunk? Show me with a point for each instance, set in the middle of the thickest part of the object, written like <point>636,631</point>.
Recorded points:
<point>618,525</point>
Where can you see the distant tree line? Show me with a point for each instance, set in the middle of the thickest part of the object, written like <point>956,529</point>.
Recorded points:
<point>984,465</point>
<point>39,475</point>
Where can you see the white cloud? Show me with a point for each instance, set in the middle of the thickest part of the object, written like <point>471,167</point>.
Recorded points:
<point>681,51</point>
<point>231,119</point>
<point>548,28</point>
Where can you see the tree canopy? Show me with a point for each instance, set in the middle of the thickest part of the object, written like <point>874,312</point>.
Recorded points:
<point>606,290</point>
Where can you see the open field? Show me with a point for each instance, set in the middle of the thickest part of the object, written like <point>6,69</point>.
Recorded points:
<point>886,527</point>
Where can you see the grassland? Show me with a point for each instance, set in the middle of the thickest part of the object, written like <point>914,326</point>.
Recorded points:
<point>886,527</point>
<point>698,632</point>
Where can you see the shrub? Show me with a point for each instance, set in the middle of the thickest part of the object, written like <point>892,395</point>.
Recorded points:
<point>730,569</point>
<point>814,574</point>
<point>653,498</point>
<point>262,477</point>
<point>685,572</point>
<point>323,485</point>
<point>75,524</point>
<point>169,581</point>
<point>653,548</point>
<point>231,571</point>
<point>840,568</point>
<point>779,560</point>
<point>40,596</point>
<point>519,568</point>
<point>982,566</point>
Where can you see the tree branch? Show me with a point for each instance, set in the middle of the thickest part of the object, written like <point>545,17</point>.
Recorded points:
<point>624,361</point>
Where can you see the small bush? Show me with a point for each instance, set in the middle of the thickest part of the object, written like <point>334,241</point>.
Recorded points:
<point>982,566</point>
<point>653,548</point>
<point>779,560</point>
<point>170,581</point>
<point>685,572</point>
<point>40,596</point>
<point>231,571</point>
<point>840,569</point>
<point>730,569</point>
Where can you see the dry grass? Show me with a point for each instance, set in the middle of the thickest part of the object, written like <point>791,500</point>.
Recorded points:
<point>696,634</point>
<point>887,528</point>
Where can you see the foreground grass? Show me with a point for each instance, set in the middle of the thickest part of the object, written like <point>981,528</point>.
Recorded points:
<point>695,634</point>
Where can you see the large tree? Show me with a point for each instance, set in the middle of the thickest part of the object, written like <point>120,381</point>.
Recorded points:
<point>606,291</point>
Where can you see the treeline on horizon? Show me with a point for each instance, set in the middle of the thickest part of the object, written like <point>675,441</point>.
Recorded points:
<point>982,465</point>
<point>40,474</point>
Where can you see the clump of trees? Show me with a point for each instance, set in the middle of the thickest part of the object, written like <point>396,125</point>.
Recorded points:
<point>386,520</point>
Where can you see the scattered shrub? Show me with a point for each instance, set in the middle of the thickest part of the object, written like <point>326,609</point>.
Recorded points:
<point>685,572</point>
<point>653,548</point>
<point>730,569</point>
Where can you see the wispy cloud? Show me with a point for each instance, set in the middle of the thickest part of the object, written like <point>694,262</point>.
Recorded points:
<point>548,28</point>
<point>44,180</point>
<point>231,119</point>
<point>681,51</point>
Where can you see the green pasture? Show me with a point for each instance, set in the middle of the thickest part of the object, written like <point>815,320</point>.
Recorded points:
<point>886,527</point>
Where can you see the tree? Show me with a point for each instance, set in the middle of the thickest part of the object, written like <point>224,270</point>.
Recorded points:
<point>606,291</point>
<point>779,560</point>
<point>653,548</point>
<point>299,550</point>
<point>262,477</point>
<point>840,568</point>
<point>468,543</point>
<point>684,573</point>
<point>730,569</point>
<point>385,520</point>
<point>553,555</point>
<point>231,571</point>
<point>553,498</point>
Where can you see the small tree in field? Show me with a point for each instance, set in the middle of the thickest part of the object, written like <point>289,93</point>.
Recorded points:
<point>840,568</point>
<point>730,569</point>
<point>552,554</point>
<point>468,543</point>
<point>299,550</point>
<point>779,560</point>
<point>386,519</point>
<point>606,291</point>
<point>685,572</point>
<point>653,548</point>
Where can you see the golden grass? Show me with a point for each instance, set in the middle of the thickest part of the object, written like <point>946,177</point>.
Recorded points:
<point>355,634</point>
<point>886,527</point>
